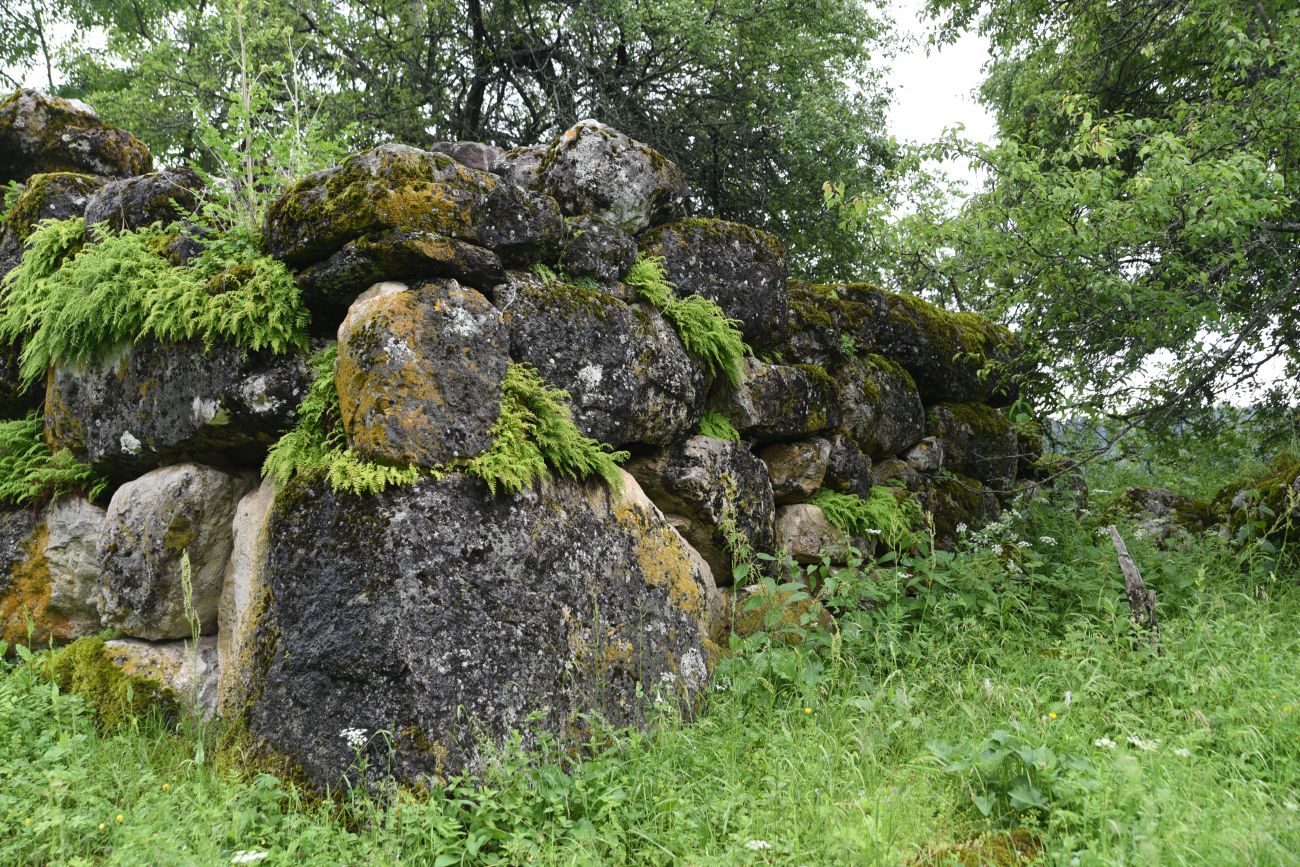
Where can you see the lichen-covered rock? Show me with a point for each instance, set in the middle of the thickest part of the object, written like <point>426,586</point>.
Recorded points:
<point>447,617</point>
<point>595,170</point>
<point>803,532</point>
<point>151,524</point>
<point>399,254</point>
<point>893,472</point>
<point>399,187</point>
<point>848,470</point>
<point>715,484</point>
<point>522,166</point>
<point>51,196</point>
<point>186,669</point>
<point>153,403</point>
<point>797,470</point>
<point>879,404</point>
<point>780,402</point>
<point>40,133</point>
<point>741,268</point>
<point>594,248</point>
<point>472,154</point>
<point>1163,514</point>
<point>419,373</point>
<point>244,597</point>
<point>133,203</point>
<point>956,503</point>
<point>826,325</point>
<point>628,376</point>
<point>49,572</point>
<point>978,441</point>
<point>926,456</point>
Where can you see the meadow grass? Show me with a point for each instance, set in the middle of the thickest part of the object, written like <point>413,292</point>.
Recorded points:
<point>871,745</point>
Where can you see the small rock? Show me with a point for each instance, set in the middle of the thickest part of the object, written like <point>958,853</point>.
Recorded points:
<point>797,470</point>
<point>803,532</point>
<point>848,470</point>
<point>188,670</point>
<point>594,248</point>
<point>893,471</point>
<point>244,596</point>
<point>977,440</point>
<point>926,456</point>
<point>40,133</point>
<point>472,154</point>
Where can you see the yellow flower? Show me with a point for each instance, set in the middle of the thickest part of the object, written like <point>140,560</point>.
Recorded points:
<point>1051,716</point>
<point>27,821</point>
<point>807,710</point>
<point>101,826</point>
<point>167,787</point>
<point>120,817</point>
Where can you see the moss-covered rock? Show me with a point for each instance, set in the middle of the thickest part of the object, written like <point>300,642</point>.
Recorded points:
<point>419,373</point>
<point>955,500</point>
<point>779,402</point>
<point>40,133</point>
<point>133,203</point>
<point>521,166</point>
<point>1161,513</point>
<point>879,405</point>
<point>447,617</point>
<point>977,441</point>
<point>827,322</point>
<point>118,698</point>
<point>182,669</point>
<point>741,268</point>
<point>848,470</point>
<point>1263,503</point>
<point>399,187</point>
<point>51,196</point>
<point>628,376</point>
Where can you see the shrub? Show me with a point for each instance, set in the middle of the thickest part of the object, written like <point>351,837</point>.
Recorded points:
<point>30,473</point>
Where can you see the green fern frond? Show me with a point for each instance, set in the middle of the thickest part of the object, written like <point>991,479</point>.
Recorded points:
<point>648,279</point>
<point>30,473</point>
<point>718,426</point>
<point>894,520</point>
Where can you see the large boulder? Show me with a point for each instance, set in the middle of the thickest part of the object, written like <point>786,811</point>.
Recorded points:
<point>399,187</point>
<point>448,617</point>
<point>40,133</point>
<point>133,203</point>
<point>595,170</point>
<point>152,523</point>
<point>154,403</point>
<point>741,268</point>
<point>49,573</point>
<point>522,166</point>
<point>419,373</point>
<point>780,402</point>
<point>244,597</point>
<point>50,196</point>
<point>181,668</point>
<point>881,409</point>
<point>720,488</point>
<point>977,441</point>
<point>596,249</point>
<point>797,470</point>
<point>629,378</point>
<point>826,325</point>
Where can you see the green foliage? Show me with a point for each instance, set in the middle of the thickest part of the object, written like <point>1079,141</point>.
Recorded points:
<point>715,424</point>
<point>704,329</point>
<point>534,436</point>
<point>118,699</point>
<point>895,519</point>
<point>73,301</point>
<point>29,473</point>
<point>12,190</point>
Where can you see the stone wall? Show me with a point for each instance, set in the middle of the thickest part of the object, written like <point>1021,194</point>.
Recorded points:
<point>441,613</point>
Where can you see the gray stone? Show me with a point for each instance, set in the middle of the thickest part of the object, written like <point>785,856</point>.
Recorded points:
<point>187,669</point>
<point>597,171</point>
<point>73,527</point>
<point>244,596</point>
<point>797,470</point>
<point>40,133</point>
<point>49,573</point>
<point>155,403</point>
<point>978,441</point>
<point>419,372</point>
<point>594,248</point>
<point>151,524</point>
<point>716,484</point>
<point>741,268</point>
<point>848,470</point>
<point>803,532</point>
<point>780,402</point>
<point>628,376</point>
<point>881,409</point>
<point>449,617</point>
<point>133,203</point>
<point>926,456</point>
<point>522,166</point>
<point>472,154</point>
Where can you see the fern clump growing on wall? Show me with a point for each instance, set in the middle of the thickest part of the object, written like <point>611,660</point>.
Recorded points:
<point>895,521</point>
<point>715,424</point>
<point>73,298</point>
<point>30,472</point>
<point>704,329</point>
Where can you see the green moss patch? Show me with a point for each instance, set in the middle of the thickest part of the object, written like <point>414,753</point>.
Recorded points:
<point>117,698</point>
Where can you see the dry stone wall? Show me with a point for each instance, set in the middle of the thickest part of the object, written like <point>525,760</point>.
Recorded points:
<point>442,612</point>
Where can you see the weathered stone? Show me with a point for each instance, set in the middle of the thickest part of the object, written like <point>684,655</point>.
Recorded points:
<point>594,248</point>
<point>151,524</point>
<point>40,133</point>
<point>803,532</point>
<point>958,502</point>
<point>52,196</point>
<point>627,374</point>
<point>797,470</point>
<point>848,470</point>
<point>399,187</point>
<point>522,166</point>
<point>244,597</point>
<point>48,573</point>
<point>419,372</point>
<point>881,409</point>
<point>776,402</point>
<point>133,203</point>
<point>396,255</point>
<point>187,669</point>
<point>978,441</point>
<point>472,154</point>
<point>895,471</point>
<point>824,328</point>
<point>741,268</point>
<point>73,527</point>
<point>926,456</point>
<point>448,617</point>
<point>154,403</point>
<point>1162,514</point>
<point>715,484</point>
<point>595,170</point>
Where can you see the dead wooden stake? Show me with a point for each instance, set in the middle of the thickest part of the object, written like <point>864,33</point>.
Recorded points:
<point>1141,601</point>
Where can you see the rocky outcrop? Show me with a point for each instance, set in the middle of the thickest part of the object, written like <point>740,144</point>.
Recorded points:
<point>848,470</point>
<point>444,615</point>
<point>40,133</point>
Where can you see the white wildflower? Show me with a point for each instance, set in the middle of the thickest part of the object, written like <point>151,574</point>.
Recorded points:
<point>872,531</point>
<point>1022,544</point>
<point>1104,743</point>
<point>1103,531</point>
<point>1047,540</point>
<point>1069,697</point>
<point>1142,743</point>
<point>1183,753</point>
<point>758,845</point>
<point>961,528</point>
<point>1292,806</point>
<point>354,738</point>
<point>988,687</point>
<point>996,549</point>
<point>242,857</point>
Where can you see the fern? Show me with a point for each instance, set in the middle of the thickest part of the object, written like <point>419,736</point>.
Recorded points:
<point>894,521</point>
<point>534,436</point>
<point>704,329</point>
<point>716,425</point>
<point>30,473</point>
<point>68,301</point>
<point>12,191</point>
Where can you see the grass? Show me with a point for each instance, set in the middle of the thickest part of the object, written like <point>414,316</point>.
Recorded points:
<point>836,748</point>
